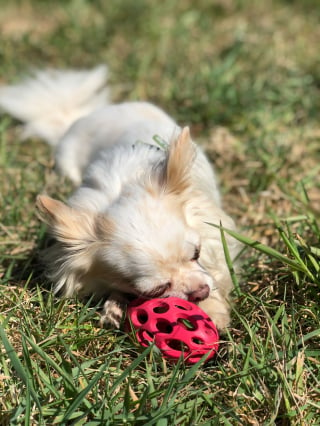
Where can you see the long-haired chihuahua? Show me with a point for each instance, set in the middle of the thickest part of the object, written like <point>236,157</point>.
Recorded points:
<point>139,220</point>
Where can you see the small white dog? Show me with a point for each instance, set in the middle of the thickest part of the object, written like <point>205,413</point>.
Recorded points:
<point>139,222</point>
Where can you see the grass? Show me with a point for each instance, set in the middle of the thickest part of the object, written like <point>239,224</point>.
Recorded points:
<point>245,75</point>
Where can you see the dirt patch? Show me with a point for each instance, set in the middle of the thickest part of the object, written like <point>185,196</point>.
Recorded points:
<point>17,21</point>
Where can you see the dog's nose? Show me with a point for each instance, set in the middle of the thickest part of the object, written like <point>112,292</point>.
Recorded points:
<point>201,293</point>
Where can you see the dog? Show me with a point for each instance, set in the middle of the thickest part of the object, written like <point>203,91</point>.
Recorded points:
<point>138,223</point>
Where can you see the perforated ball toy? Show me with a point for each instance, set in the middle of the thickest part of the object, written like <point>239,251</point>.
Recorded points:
<point>176,326</point>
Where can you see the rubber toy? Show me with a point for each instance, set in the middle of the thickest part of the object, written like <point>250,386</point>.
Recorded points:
<point>177,327</point>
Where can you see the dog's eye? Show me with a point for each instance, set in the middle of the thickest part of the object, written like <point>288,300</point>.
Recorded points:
<point>158,291</point>
<point>196,254</point>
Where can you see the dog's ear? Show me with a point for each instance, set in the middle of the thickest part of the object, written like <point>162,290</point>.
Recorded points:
<point>67,224</point>
<point>180,158</point>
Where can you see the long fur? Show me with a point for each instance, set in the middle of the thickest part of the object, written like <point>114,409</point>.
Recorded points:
<point>137,222</point>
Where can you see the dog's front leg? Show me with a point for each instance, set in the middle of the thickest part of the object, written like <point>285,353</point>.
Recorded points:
<point>113,310</point>
<point>218,309</point>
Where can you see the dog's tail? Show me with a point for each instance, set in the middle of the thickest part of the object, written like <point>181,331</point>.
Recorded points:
<point>51,100</point>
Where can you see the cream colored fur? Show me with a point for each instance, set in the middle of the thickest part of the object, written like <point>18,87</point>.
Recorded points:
<point>138,222</point>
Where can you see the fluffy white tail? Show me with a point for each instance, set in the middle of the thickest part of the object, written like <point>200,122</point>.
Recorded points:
<point>51,100</point>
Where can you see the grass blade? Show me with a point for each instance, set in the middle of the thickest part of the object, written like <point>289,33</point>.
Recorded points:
<point>263,249</point>
<point>229,262</point>
<point>19,368</point>
<point>133,365</point>
<point>82,395</point>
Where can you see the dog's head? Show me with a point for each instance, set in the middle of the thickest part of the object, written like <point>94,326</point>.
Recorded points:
<point>142,245</point>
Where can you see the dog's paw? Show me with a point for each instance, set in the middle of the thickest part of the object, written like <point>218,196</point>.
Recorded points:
<point>218,310</point>
<point>111,314</point>
<point>221,320</point>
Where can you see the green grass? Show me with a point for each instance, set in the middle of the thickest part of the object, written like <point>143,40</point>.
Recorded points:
<point>246,76</point>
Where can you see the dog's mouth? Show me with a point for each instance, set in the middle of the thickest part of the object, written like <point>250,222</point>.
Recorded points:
<point>164,291</point>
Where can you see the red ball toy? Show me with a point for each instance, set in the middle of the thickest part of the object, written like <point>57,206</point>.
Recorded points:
<point>176,326</point>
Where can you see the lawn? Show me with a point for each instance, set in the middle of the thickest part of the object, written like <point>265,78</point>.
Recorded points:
<point>245,75</point>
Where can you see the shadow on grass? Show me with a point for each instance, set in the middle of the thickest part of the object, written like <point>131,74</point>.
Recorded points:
<point>27,269</point>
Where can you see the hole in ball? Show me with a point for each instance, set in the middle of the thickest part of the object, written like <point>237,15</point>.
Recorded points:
<point>164,326</point>
<point>187,324</point>
<point>177,345</point>
<point>197,340</point>
<point>148,335</point>
<point>183,308</point>
<point>142,316</point>
<point>145,337</point>
<point>161,309</point>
